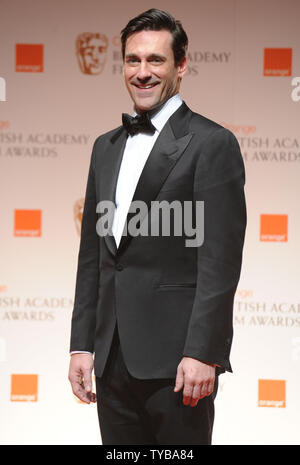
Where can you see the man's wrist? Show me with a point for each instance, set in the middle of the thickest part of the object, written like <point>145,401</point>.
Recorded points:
<point>211,364</point>
<point>204,361</point>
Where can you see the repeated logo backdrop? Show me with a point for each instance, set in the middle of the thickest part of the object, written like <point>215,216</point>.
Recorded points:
<point>60,87</point>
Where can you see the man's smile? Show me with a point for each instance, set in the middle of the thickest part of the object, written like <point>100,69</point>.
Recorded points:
<point>146,86</point>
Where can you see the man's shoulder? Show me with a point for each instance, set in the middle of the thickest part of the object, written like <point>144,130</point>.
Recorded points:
<point>199,121</point>
<point>205,127</point>
<point>109,135</point>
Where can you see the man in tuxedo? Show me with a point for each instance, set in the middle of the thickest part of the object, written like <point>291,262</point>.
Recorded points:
<point>153,315</point>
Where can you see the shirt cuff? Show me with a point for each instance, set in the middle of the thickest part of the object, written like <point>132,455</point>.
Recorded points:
<point>80,352</point>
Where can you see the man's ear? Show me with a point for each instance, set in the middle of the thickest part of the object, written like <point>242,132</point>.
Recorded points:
<point>182,67</point>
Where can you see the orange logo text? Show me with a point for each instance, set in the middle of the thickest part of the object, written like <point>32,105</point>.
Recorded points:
<point>30,58</point>
<point>24,388</point>
<point>28,223</point>
<point>273,228</point>
<point>277,62</point>
<point>271,393</point>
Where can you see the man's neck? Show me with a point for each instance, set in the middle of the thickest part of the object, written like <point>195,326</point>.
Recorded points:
<point>156,109</point>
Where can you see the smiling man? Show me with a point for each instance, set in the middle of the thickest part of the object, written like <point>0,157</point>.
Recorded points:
<point>152,316</point>
<point>150,72</point>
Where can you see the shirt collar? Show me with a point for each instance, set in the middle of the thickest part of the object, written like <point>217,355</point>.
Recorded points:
<point>161,117</point>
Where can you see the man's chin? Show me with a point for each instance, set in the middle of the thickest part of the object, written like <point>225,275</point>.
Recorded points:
<point>142,106</point>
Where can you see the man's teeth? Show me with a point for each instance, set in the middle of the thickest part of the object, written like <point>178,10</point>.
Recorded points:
<point>146,87</point>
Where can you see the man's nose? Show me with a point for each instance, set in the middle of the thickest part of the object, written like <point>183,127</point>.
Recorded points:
<point>144,72</point>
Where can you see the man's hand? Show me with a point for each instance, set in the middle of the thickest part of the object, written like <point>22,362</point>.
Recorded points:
<point>197,378</point>
<point>80,377</point>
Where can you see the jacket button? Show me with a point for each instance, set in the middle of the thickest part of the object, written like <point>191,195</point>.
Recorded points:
<point>119,267</point>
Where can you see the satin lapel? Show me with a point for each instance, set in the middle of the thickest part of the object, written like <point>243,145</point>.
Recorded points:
<point>110,166</point>
<point>166,152</point>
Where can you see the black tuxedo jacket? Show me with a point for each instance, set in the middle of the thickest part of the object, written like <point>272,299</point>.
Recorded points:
<point>168,300</point>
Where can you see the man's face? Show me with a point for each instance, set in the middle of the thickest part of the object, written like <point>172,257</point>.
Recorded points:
<point>150,73</point>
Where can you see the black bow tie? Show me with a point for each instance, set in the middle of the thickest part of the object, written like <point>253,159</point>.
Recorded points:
<point>139,123</point>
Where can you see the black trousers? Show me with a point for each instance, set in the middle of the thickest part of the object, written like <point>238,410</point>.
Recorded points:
<point>142,412</point>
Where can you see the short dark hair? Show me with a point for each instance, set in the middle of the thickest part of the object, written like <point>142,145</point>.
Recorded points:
<point>157,20</point>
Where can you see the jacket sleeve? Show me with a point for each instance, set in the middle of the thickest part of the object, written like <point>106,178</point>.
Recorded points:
<point>86,290</point>
<point>219,183</point>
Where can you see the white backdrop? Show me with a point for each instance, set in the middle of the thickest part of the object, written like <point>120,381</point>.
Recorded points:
<point>52,114</point>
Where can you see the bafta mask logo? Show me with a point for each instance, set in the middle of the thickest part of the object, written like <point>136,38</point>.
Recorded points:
<point>91,51</point>
<point>77,212</point>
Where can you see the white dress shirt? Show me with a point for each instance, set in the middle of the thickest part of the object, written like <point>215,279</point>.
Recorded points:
<point>136,152</point>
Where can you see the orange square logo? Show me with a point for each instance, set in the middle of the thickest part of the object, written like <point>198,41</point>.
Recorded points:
<point>271,393</point>
<point>30,58</point>
<point>277,62</point>
<point>274,228</point>
<point>28,223</point>
<point>24,388</point>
